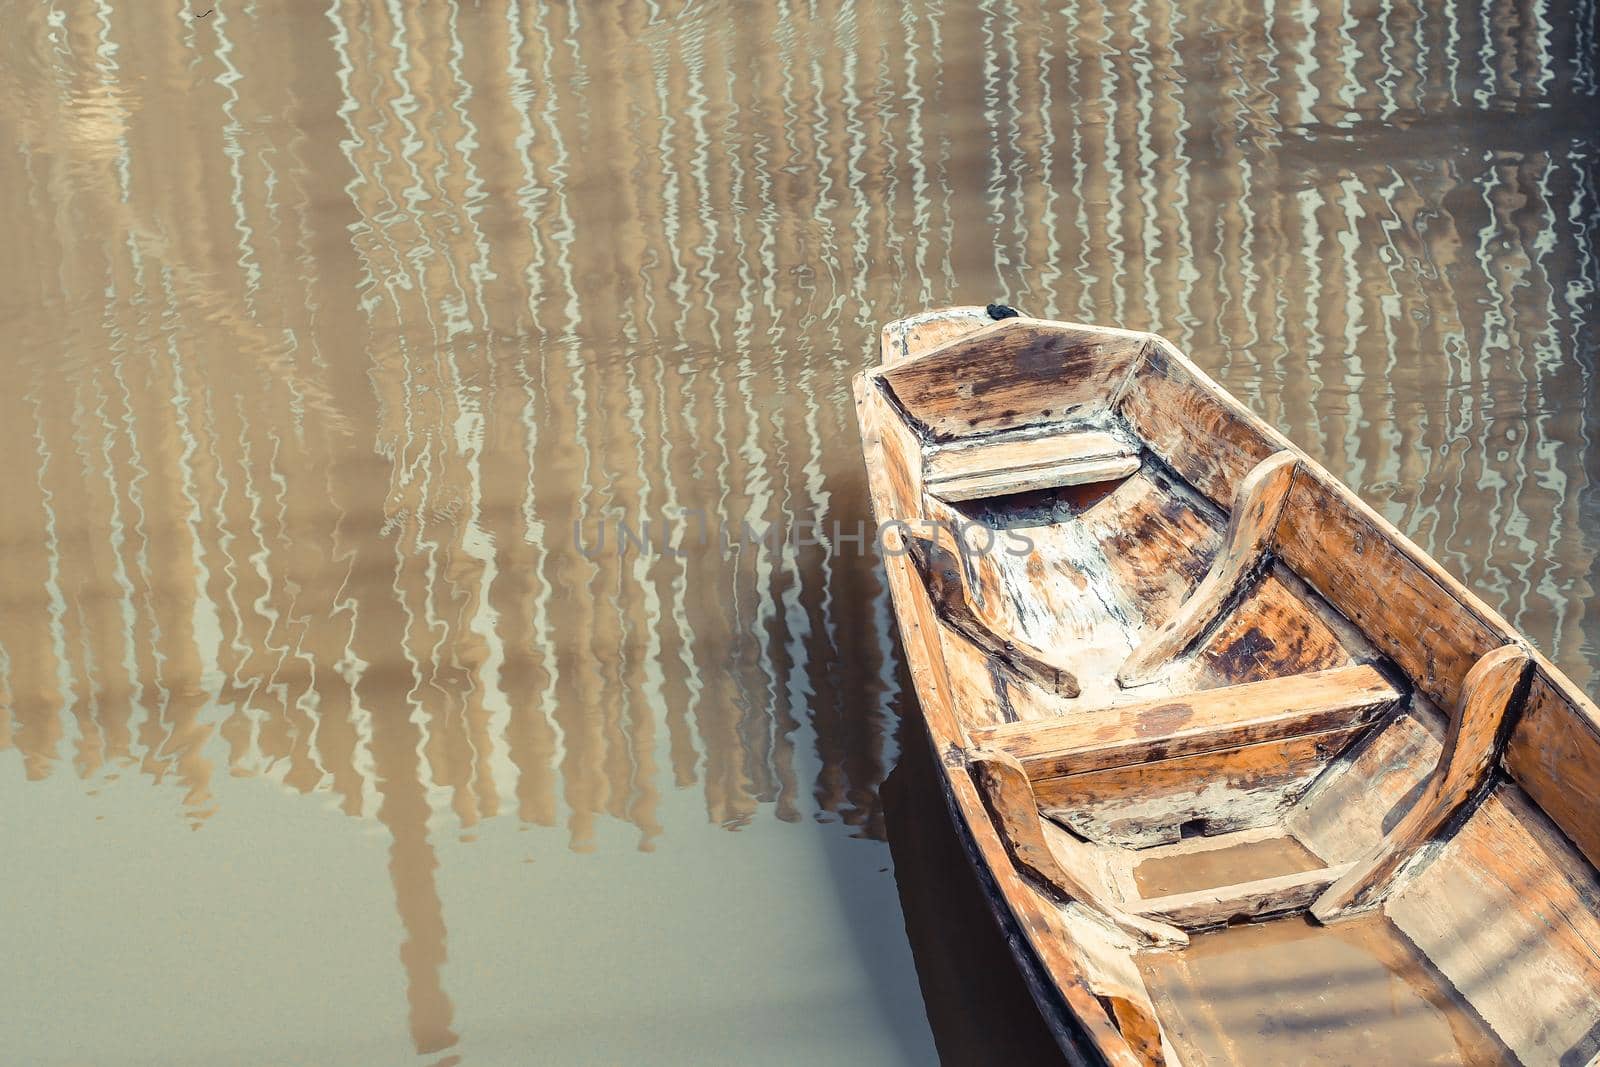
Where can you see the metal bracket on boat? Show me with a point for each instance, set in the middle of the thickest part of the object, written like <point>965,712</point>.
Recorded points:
<point>1495,687</point>
<point>1246,551</point>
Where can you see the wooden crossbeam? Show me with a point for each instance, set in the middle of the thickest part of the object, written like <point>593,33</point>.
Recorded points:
<point>1471,749</point>
<point>1067,864</point>
<point>1205,721</point>
<point>999,466</point>
<point>1245,552</point>
<point>1247,900</point>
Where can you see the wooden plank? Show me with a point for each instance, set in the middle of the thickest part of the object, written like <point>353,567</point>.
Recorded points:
<point>1510,913</point>
<point>1247,900</point>
<point>1157,542</point>
<point>1190,846</point>
<point>940,569</point>
<point>1245,551</point>
<point>978,548</point>
<point>1554,755</point>
<point>1017,372</point>
<point>1398,597</point>
<point>1218,792</point>
<point>1006,483</point>
<point>1193,424</point>
<point>1070,870</point>
<point>895,467</point>
<point>1353,804</point>
<point>1473,743</point>
<point>1205,721</point>
<point>991,466</point>
<point>1004,452</point>
<point>1273,631</point>
<point>1293,994</point>
<point>986,693</point>
<point>1196,863</point>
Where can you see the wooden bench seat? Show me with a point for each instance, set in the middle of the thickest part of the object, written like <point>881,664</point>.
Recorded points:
<point>1205,721</point>
<point>1254,899</point>
<point>1005,464</point>
<point>1251,874</point>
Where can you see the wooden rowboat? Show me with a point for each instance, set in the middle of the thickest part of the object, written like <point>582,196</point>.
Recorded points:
<point>1247,775</point>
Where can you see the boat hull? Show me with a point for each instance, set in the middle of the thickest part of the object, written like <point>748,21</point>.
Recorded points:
<point>1071,1036</point>
<point>1184,647</point>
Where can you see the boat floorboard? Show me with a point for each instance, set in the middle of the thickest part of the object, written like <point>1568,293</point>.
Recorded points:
<point>1165,873</point>
<point>1291,992</point>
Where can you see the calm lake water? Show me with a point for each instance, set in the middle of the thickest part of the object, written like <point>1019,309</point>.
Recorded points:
<point>349,347</point>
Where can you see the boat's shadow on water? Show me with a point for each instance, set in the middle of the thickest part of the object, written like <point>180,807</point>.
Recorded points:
<point>979,1008</point>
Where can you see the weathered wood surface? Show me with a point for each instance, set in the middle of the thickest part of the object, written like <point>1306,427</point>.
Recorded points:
<point>1245,553</point>
<point>1193,424</point>
<point>1409,609</point>
<point>1204,721</point>
<point>1471,748</point>
<point>939,566</point>
<point>1017,372</point>
<point>1151,803</point>
<point>1159,544</point>
<point>1399,596</point>
<point>978,550</point>
<point>1371,786</point>
<point>1035,591</point>
<point>896,481</point>
<point>1271,632</point>
<point>1064,955</point>
<point>1554,754</point>
<point>916,334</point>
<point>1137,1020</point>
<point>994,466</point>
<point>987,693</point>
<point>1190,846</point>
<point>1510,913</point>
<point>1404,602</point>
<point>1247,900</point>
<point>1068,866</point>
<point>1195,863</point>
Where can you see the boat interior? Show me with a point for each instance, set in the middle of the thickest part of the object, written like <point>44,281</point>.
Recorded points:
<point>1258,780</point>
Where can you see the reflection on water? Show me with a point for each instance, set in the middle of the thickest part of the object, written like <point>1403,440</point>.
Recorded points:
<point>978,1003</point>
<point>331,327</point>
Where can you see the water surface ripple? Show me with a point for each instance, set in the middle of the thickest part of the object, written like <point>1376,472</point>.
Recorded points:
<point>363,356</point>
